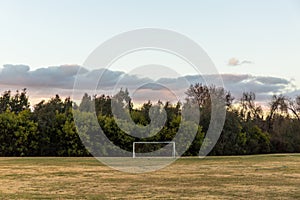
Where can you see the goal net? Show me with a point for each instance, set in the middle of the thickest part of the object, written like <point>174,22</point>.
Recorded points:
<point>153,149</point>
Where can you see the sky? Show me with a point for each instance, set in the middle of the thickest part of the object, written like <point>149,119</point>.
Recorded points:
<point>260,39</point>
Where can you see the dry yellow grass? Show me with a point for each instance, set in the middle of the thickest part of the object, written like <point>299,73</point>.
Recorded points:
<point>237,177</point>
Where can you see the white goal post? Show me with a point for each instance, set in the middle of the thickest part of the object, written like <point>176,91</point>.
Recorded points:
<point>161,142</point>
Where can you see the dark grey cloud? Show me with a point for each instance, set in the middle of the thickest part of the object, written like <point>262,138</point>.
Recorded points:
<point>45,81</point>
<point>15,69</point>
<point>52,77</point>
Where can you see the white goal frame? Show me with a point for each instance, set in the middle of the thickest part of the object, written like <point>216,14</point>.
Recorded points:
<point>162,142</point>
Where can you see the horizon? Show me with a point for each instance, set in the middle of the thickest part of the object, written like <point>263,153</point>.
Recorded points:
<point>169,89</point>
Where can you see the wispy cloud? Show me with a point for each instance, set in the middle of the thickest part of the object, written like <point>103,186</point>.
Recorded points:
<point>236,62</point>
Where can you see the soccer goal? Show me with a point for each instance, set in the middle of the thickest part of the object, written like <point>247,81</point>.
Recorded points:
<point>154,149</point>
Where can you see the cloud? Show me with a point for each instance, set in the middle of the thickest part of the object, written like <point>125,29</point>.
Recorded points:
<point>15,69</point>
<point>47,81</point>
<point>236,62</point>
<point>56,76</point>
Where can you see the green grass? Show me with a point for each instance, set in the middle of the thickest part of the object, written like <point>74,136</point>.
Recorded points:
<point>229,177</point>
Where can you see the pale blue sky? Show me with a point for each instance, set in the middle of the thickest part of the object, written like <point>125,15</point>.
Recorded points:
<point>48,33</point>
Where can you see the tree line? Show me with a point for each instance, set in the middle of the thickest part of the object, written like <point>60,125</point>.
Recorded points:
<point>48,128</point>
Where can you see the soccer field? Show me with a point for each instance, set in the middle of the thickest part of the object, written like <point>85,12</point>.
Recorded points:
<point>236,177</point>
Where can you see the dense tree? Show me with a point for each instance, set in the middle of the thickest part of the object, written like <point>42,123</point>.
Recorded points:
<point>5,100</point>
<point>18,134</point>
<point>103,105</point>
<point>86,103</point>
<point>56,128</point>
<point>49,129</point>
<point>16,103</point>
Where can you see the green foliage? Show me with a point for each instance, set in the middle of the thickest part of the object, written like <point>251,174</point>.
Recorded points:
<point>16,103</point>
<point>49,129</point>
<point>18,134</point>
